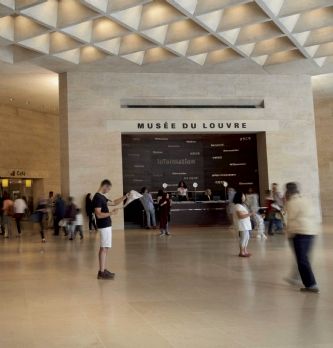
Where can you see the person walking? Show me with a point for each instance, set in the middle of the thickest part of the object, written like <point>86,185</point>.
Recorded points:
<point>59,213</point>
<point>164,212</point>
<point>302,229</point>
<point>260,224</point>
<point>275,210</point>
<point>2,226</point>
<point>90,213</point>
<point>8,212</point>
<point>104,225</point>
<point>50,209</point>
<point>70,215</point>
<point>230,207</point>
<point>242,223</point>
<point>20,207</point>
<point>78,223</point>
<point>41,211</point>
<point>148,205</point>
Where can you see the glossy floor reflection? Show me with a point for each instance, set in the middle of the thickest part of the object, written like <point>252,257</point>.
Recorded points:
<point>189,290</point>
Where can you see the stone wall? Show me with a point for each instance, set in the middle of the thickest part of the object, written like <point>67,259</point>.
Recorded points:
<point>29,140</point>
<point>324,127</point>
<point>94,98</point>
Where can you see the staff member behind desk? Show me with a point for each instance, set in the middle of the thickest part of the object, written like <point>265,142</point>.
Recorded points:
<point>182,191</point>
<point>207,196</point>
<point>104,225</point>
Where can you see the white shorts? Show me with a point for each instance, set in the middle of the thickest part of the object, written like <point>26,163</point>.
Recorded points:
<point>106,237</point>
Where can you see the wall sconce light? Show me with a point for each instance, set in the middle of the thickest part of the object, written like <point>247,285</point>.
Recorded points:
<point>5,182</point>
<point>28,183</point>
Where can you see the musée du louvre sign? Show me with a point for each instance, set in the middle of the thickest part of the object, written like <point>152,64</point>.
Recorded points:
<point>195,126</point>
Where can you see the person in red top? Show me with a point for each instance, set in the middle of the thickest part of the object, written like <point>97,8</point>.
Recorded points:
<point>8,212</point>
<point>274,202</point>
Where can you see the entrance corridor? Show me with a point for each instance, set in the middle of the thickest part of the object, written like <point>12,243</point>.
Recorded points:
<point>188,290</point>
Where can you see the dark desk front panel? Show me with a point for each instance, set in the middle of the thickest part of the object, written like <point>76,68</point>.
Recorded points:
<point>199,213</point>
<point>183,213</point>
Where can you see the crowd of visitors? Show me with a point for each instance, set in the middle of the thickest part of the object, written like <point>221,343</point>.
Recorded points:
<point>52,213</point>
<point>290,213</point>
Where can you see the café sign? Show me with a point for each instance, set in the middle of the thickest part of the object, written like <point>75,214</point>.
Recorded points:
<point>186,126</point>
<point>22,173</point>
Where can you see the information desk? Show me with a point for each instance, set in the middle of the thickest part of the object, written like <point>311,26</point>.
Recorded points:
<point>182,213</point>
<point>199,213</point>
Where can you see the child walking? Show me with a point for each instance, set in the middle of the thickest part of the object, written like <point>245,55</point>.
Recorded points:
<point>78,223</point>
<point>164,213</point>
<point>260,224</point>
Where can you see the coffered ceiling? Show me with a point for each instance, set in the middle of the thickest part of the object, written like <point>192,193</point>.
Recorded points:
<point>204,35</point>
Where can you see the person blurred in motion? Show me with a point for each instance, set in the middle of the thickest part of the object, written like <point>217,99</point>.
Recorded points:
<point>59,214</point>
<point>207,196</point>
<point>78,223</point>
<point>50,210</point>
<point>148,205</point>
<point>164,210</point>
<point>230,208</point>
<point>90,213</point>
<point>302,227</point>
<point>275,210</point>
<point>41,212</point>
<point>260,224</point>
<point>182,191</point>
<point>8,212</point>
<point>242,223</point>
<point>20,207</point>
<point>2,226</point>
<point>70,215</point>
<point>104,225</point>
<point>252,200</point>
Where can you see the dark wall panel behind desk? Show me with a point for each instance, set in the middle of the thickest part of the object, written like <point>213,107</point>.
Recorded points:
<point>150,160</point>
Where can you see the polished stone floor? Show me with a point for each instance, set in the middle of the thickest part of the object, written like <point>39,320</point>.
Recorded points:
<point>188,290</point>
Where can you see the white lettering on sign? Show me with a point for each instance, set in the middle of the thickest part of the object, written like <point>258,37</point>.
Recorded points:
<point>185,126</point>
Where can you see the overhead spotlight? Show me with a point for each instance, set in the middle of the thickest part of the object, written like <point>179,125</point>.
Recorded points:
<point>11,99</point>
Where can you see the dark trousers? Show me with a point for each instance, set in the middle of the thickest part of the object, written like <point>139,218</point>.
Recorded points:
<point>56,226</point>
<point>273,221</point>
<point>2,224</point>
<point>18,218</point>
<point>41,224</point>
<point>92,222</point>
<point>302,246</point>
<point>78,228</point>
